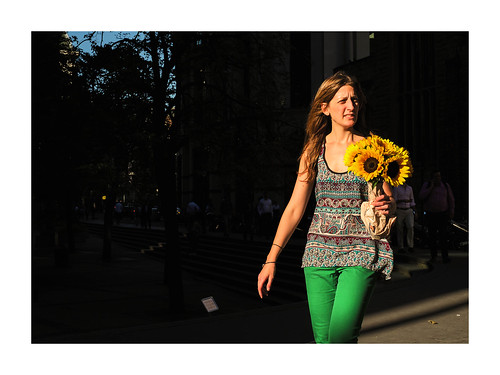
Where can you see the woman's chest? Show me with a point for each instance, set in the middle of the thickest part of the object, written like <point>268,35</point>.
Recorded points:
<point>334,158</point>
<point>339,185</point>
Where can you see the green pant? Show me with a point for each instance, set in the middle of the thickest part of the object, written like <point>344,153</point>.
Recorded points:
<point>338,297</point>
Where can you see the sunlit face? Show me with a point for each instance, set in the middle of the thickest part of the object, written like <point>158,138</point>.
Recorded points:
<point>343,108</point>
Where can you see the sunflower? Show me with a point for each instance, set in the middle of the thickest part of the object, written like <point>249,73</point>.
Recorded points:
<point>351,153</point>
<point>387,147</point>
<point>398,169</point>
<point>368,164</point>
<point>364,143</point>
<point>357,148</point>
<point>377,159</point>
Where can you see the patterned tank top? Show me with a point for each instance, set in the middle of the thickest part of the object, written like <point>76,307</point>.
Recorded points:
<point>337,235</point>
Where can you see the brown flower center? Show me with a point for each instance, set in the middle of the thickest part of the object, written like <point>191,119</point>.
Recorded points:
<point>370,165</point>
<point>393,169</point>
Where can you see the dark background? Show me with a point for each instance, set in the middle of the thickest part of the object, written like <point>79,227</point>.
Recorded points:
<point>236,105</point>
<point>162,119</point>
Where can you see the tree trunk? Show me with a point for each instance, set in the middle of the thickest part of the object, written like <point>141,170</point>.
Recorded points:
<point>164,150</point>
<point>165,173</point>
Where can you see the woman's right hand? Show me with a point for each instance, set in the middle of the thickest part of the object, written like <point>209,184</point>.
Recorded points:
<point>265,279</point>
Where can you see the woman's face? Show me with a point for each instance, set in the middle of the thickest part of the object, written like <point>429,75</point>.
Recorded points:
<point>343,108</point>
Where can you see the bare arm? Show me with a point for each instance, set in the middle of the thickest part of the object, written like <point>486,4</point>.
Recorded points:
<point>289,220</point>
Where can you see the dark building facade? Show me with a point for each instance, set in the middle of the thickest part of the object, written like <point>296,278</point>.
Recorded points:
<point>245,97</point>
<point>417,89</point>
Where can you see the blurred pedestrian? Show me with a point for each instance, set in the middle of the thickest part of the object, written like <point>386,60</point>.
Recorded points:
<point>146,215</point>
<point>341,261</point>
<point>77,212</point>
<point>118,212</point>
<point>439,209</point>
<point>265,210</point>
<point>405,215</point>
<point>209,217</point>
<point>193,213</point>
<point>93,209</point>
<point>226,209</point>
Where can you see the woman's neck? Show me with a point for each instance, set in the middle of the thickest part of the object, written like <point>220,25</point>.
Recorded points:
<point>340,136</point>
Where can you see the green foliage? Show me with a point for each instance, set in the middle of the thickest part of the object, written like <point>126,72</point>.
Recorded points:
<point>122,83</point>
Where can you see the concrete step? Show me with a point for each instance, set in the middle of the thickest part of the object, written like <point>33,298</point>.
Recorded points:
<point>235,263</point>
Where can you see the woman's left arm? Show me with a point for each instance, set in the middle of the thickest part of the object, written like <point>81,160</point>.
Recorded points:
<point>385,204</point>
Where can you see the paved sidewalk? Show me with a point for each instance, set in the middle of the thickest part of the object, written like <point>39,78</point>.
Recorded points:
<point>125,301</point>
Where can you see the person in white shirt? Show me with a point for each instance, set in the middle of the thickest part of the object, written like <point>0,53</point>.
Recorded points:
<point>405,203</point>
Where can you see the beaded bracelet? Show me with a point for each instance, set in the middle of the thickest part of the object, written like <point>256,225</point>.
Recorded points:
<point>275,244</point>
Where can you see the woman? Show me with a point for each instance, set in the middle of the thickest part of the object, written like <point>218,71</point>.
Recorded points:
<point>341,261</point>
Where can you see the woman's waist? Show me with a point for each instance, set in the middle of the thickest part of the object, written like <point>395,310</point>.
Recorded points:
<point>344,242</point>
<point>331,223</point>
<point>325,202</point>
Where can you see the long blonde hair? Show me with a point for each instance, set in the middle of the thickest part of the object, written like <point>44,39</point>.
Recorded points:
<point>319,125</point>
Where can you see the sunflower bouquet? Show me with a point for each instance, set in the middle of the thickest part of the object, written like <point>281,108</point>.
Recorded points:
<point>377,160</point>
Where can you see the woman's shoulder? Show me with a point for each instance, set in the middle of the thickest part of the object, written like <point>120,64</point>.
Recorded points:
<point>358,137</point>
